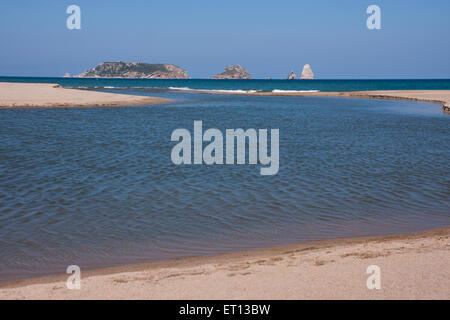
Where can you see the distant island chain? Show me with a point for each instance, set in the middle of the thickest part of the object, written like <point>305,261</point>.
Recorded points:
<point>141,70</point>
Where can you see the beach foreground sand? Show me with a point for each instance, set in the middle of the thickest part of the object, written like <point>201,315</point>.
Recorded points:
<point>34,95</point>
<point>414,266</point>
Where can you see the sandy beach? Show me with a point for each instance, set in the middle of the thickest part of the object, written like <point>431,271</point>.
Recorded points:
<point>45,95</point>
<point>413,266</point>
<point>221,154</point>
<point>434,96</point>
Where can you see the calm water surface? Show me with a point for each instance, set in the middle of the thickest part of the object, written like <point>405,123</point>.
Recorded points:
<point>96,186</point>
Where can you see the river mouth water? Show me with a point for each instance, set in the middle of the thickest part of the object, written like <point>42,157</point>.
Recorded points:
<point>96,187</point>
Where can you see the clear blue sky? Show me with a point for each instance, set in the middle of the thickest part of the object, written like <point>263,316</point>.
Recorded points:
<point>268,38</point>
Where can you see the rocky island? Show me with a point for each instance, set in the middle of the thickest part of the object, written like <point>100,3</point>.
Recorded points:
<point>233,72</point>
<point>292,76</point>
<point>135,70</point>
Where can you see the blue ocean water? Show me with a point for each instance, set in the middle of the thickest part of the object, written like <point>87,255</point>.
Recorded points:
<point>257,84</point>
<point>96,187</point>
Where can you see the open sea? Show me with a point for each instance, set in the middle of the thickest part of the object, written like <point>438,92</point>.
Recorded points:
<point>96,187</point>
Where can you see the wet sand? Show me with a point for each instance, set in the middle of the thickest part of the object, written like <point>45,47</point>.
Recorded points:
<point>45,95</point>
<point>413,266</point>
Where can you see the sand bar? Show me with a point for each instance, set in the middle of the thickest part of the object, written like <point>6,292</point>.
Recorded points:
<point>435,96</point>
<point>35,95</point>
<point>413,266</point>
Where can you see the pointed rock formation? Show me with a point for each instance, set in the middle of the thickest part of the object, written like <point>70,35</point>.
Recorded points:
<point>233,72</point>
<point>292,76</point>
<point>307,72</point>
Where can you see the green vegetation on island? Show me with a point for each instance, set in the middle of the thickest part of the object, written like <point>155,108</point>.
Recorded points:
<point>135,70</point>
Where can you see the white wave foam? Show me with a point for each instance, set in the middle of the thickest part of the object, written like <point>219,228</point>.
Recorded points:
<point>292,91</point>
<point>181,88</point>
<point>213,90</point>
